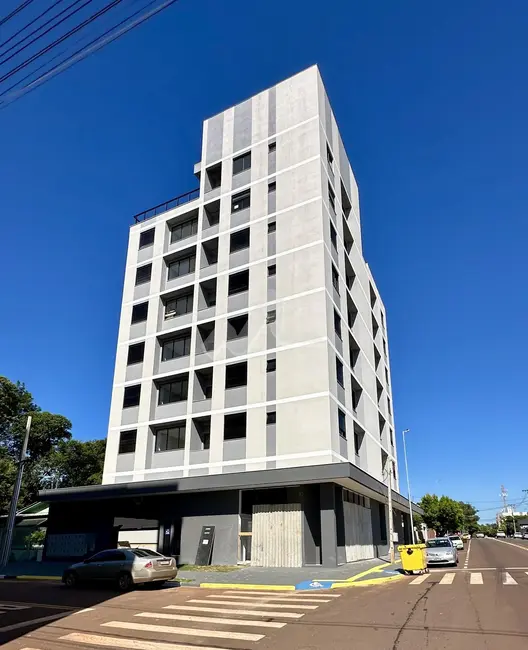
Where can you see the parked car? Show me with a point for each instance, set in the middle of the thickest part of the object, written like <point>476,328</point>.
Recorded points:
<point>518,535</point>
<point>125,567</point>
<point>480,535</point>
<point>466,537</point>
<point>440,550</point>
<point>457,542</point>
<point>525,535</point>
<point>500,534</point>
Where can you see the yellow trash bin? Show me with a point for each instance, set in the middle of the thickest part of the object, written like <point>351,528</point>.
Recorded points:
<point>413,557</point>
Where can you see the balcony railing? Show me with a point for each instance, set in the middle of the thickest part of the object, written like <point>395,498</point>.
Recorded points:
<point>168,205</point>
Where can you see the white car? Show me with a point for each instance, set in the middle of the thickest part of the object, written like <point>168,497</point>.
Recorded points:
<point>501,534</point>
<point>480,535</point>
<point>518,535</point>
<point>457,542</point>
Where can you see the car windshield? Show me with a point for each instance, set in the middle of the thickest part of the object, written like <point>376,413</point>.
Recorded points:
<point>438,543</point>
<point>144,552</point>
<point>454,537</point>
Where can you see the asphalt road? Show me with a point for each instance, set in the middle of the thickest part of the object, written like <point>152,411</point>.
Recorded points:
<point>482,606</point>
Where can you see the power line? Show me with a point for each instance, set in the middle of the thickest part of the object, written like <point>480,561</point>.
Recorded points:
<point>15,12</point>
<point>31,23</point>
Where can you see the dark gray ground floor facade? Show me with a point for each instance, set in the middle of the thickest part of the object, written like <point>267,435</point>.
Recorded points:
<point>306,516</point>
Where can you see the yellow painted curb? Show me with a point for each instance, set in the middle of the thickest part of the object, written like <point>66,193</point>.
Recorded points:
<point>375,569</point>
<point>365,583</point>
<point>224,585</point>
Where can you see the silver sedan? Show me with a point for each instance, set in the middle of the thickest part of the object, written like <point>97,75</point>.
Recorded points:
<point>124,567</point>
<point>440,550</point>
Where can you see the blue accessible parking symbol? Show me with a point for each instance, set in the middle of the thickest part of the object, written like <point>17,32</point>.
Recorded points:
<point>314,584</point>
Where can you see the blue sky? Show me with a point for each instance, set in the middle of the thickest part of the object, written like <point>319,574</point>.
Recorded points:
<point>432,105</point>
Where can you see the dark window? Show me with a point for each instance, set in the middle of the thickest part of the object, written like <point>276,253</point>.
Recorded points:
<point>357,442</point>
<point>237,327</point>
<point>136,353</point>
<point>213,177</point>
<point>272,269</point>
<point>271,417</point>
<point>339,373</point>
<point>180,267</point>
<point>127,442</point>
<point>331,198</point>
<point>385,348</point>
<point>382,319</point>
<point>329,156</point>
<point>204,383</point>
<point>341,419</point>
<point>389,407</point>
<point>239,240</point>
<point>391,437</point>
<point>272,146</point>
<point>139,312</point>
<point>383,523</point>
<point>184,230</point>
<point>238,282</point>
<point>337,324</point>
<point>235,426</point>
<point>272,187</point>
<point>178,306</point>
<point>236,375</point>
<point>146,238</point>
<point>109,556</point>
<point>203,429</point>
<point>241,201</point>
<point>271,316</point>
<point>333,236</point>
<point>271,365</point>
<point>143,274</point>
<point>131,396</point>
<point>387,376</point>
<point>171,438</point>
<point>173,391</point>
<point>241,163</point>
<point>335,278</point>
<point>176,348</point>
<point>272,227</point>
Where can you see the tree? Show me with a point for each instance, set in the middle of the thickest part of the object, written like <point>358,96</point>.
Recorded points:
<point>72,463</point>
<point>471,518</point>
<point>443,514</point>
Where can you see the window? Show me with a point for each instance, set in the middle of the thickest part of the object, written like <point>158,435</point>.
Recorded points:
<point>171,438</point>
<point>242,163</point>
<point>272,146</point>
<point>176,348</point>
<point>339,373</point>
<point>329,156</point>
<point>372,296</point>
<point>391,437</point>
<point>213,178</point>
<point>356,393</point>
<point>203,429</point>
<point>272,269</point>
<point>331,198</point>
<point>389,407</point>
<point>272,227</point>
<point>139,312</point>
<point>146,238</point>
<point>136,353</point>
<point>271,316</point>
<point>237,327</point>
<point>203,386</point>
<point>382,319</point>
<point>271,365</point>
<point>179,306</point>
<point>173,391</point>
<point>180,267</point>
<point>271,417</point>
<point>131,396</point>
<point>357,442</point>
<point>333,236</point>
<point>335,278</point>
<point>387,376</point>
<point>385,348</point>
<point>383,523</point>
<point>341,420</point>
<point>241,201</point>
<point>143,274</point>
<point>272,187</point>
<point>235,426</point>
<point>239,240</point>
<point>238,282</point>
<point>184,230</point>
<point>337,324</point>
<point>236,375</point>
<point>127,442</point>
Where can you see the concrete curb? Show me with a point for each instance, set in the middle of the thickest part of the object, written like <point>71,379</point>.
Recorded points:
<point>9,577</point>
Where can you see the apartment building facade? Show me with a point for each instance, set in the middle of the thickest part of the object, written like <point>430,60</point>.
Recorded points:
<point>252,377</point>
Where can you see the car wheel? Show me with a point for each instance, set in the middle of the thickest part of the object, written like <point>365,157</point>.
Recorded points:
<point>124,581</point>
<point>71,579</point>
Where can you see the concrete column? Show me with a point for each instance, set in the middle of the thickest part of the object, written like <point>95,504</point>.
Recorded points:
<point>328,525</point>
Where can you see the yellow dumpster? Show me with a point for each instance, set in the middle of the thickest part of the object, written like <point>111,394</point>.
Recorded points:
<point>413,558</point>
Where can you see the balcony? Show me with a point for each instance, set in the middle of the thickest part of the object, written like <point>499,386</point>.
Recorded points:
<point>182,199</point>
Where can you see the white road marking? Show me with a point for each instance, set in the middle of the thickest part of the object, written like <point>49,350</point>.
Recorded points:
<point>476,579</point>
<point>83,611</point>
<point>287,594</point>
<point>419,579</point>
<point>447,579</point>
<point>259,604</point>
<point>466,561</point>
<point>129,644</point>
<point>244,612</point>
<point>524,548</point>
<point>283,599</point>
<point>184,631</point>
<point>210,619</point>
<point>33,621</point>
<point>507,579</point>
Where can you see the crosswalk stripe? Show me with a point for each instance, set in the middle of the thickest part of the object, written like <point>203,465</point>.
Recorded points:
<point>447,579</point>
<point>476,579</point>
<point>419,579</point>
<point>283,599</point>
<point>287,594</point>
<point>184,631</point>
<point>507,579</point>
<point>244,612</point>
<point>128,644</point>
<point>210,619</point>
<point>259,604</point>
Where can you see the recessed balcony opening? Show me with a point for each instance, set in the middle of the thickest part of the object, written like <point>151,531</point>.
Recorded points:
<point>213,177</point>
<point>210,252</point>
<point>211,214</point>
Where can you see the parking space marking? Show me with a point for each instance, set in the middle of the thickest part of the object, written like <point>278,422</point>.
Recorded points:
<point>211,619</point>
<point>184,631</point>
<point>259,604</point>
<point>222,610</point>
<point>284,599</point>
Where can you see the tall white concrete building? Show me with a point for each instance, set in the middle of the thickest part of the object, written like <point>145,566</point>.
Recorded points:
<point>252,366</point>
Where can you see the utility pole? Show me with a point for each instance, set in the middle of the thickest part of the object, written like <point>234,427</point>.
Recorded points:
<point>408,484</point>
<point>513,518</point>
<point>391,518</point>
<point>10,527</point>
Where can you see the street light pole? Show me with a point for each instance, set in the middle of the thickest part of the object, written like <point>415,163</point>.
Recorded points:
<point>408,483</point>
<point>391,519</point>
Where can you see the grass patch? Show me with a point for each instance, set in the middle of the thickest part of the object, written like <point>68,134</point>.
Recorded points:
<point>219,568</point>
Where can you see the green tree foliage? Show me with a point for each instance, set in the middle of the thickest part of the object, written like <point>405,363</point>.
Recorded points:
<point>471,519</point>
<point>443,514</point>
